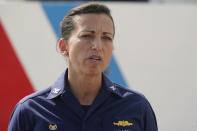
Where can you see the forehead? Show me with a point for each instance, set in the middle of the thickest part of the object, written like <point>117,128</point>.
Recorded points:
<point>96,22</point>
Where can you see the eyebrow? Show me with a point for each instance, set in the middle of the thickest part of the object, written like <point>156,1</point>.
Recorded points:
<point>91,31</point>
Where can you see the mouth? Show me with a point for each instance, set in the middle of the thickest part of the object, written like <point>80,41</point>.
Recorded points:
<point>95,58</point>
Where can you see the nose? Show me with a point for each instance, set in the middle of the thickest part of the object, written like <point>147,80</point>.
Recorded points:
<point>97,44</point>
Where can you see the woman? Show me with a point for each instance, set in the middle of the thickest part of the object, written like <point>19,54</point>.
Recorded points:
<point>83,98</point>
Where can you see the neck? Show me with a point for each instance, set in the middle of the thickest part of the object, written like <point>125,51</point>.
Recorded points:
<point>84,87</point>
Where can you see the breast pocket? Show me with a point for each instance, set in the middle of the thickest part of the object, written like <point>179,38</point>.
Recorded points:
<point>120,124</point>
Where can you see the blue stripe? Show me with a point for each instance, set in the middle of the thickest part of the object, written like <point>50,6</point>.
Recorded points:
<point>56,12</point>
<point>115,73</point>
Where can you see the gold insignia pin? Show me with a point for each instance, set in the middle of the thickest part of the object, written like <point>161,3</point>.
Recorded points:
<point>123,123</point>
<point>52,127</point>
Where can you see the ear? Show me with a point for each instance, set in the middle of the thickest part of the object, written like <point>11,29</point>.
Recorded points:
<point>62,45</point>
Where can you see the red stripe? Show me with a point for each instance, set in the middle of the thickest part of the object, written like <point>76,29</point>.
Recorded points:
<point>14,83</point>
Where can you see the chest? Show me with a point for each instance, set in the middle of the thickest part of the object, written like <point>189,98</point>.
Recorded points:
<point>109,120</point>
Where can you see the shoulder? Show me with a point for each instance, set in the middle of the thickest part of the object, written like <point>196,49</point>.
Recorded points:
<point>27,103</point>
<point>135,99</point>
<point>126,92</point>
<point>43,93</point>
<point>21,116</point>
<point>132,97</point>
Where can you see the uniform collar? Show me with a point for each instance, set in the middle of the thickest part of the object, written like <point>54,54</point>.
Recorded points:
<point>57,88</point>
<point>110,86</point>
<point>61,84</point>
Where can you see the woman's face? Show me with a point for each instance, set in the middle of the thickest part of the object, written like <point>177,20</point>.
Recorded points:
<point>90,44</point>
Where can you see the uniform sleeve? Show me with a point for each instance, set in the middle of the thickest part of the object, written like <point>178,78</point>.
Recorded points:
<point>150,122</point>
<point>17,120</point>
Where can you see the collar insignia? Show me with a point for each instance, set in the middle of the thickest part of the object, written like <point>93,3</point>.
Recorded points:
<point>122,123</point>
<point>52,127</point>
<point>56,90</point>
<point>113,88</point>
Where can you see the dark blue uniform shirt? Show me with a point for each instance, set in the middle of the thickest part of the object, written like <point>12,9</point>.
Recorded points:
<point>114,109</point>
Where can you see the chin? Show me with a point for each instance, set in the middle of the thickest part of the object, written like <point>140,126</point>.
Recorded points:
<point>94,72</point>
